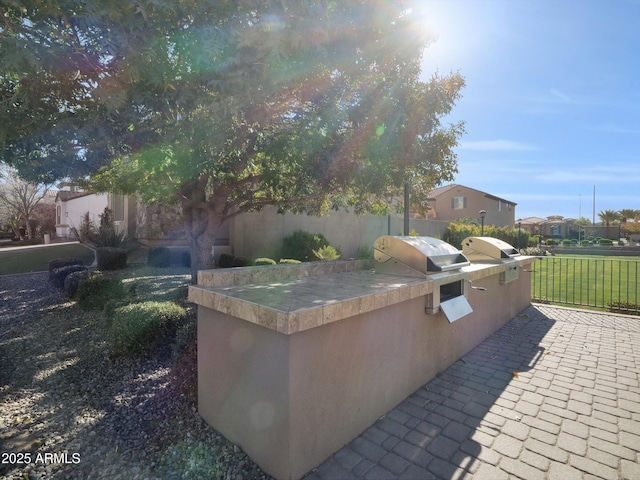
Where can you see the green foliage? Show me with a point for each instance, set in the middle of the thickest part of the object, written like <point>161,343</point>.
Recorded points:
<point>264,261</point>
<point>110,258</point>
<point>97,290</point>
<point>159,257</point>
<point>606,241</point>
<point>59,275</point>
<point>137,327</point>
<point>289,261</point>
<point>326,253</point>
<point>456,233</point>
<point>300,245</point>
<point>566,242</point>
<point>63,262</point>
<point>107,235</point>
<point>87,228</point>
<point>73,281</point>
<point>176,100</point>
<point>364,252</point>
<point>550,241</point>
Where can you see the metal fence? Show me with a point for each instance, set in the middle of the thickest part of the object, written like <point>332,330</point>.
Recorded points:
<point>608,284</point>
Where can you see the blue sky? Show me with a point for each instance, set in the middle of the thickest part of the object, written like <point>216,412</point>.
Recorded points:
<point>552,102</point>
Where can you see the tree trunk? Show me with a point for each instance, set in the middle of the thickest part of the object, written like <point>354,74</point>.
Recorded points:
<point>202,218</point>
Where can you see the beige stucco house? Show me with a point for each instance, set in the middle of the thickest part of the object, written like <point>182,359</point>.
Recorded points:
<point>452,202</point>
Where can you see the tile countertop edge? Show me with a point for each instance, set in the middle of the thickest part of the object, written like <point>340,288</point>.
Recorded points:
<point>294,321</point>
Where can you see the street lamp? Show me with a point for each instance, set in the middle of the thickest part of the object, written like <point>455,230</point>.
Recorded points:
<point>483,213</point>
<point>519,228</point>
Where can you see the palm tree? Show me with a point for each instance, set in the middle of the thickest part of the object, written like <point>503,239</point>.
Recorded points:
<point>609,216</point>
<point>628,214</point>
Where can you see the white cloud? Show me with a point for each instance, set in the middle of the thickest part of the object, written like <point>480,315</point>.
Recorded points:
<point>498,146</point>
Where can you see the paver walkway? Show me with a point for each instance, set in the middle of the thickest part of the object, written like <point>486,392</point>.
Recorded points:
<point>554,394</point>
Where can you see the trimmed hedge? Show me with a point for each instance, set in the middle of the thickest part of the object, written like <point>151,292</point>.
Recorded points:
<point>59,275</point>
<point>97,290</point>
<point>111,258</point>
<point>264,261</point>
<point>159,257</point>
<point>63,262</point>
<point>137,327</point>
<point>73,281</point>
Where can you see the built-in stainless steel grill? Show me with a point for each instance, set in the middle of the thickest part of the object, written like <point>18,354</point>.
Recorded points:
<point>427,257</point>
<point>416,256</point>
<point>492,250</point>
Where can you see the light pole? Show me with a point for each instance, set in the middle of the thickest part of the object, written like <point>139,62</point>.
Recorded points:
<point>482,215</point>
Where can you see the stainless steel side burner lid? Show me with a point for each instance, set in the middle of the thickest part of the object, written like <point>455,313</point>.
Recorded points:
<point>482,249</point>
<point>416,256</point>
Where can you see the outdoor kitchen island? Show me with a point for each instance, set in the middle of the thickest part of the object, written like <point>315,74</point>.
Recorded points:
<point>294,361</point>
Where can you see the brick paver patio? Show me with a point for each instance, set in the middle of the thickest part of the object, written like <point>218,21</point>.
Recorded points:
<point>554,394</point>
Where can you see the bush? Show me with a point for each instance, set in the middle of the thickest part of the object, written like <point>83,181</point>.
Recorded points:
<point>566,243</point>
<point>290,261</point>
<point>137,327</point>
<point>73,281</point>
<point>107,235</point>
<point>60,274</point>
<point>326,253</point>
<point>239,262</point>
<point>63,262</point>
<point>159,257</point>
<point>186,259</point>
<point>550,241</point>
<point>264,261</point>
<point>300,245</point>
<point>364,251</point>
<point>606,241</point>
<point>110,258</point>
<point>97,290</point>
<point>225,261</point>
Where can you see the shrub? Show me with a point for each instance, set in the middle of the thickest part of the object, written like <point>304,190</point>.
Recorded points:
<point>364,251</point>
<point>63,262</point>
<point>97,290</point>
<point>290,261</point>
<point>73,281</point>
<point>159,257</point>
<point>566,242</point>
<point>137,327</point>
<point>239,262</point>
<point>107,235</point>
<point>60,274</point>
<point>326,253</point>
<point>606,241</point>
<point>225,261</point>
<point>186,259</point>
<point>550,241</point>
<point>264,261</point>
<point>300,245</point>
<point>110,258</point>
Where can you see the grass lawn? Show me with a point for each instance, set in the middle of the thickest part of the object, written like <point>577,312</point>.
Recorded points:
<point>37,259</point>
<point>589,281</point>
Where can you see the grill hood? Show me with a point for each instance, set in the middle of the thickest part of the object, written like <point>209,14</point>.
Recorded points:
<point>415,256</point>
<point>488,249</point>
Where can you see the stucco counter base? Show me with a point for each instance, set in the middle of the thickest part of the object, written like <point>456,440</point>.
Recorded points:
<point>295,362</point>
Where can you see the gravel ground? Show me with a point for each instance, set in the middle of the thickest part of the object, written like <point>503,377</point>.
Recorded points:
<point>71,409</point>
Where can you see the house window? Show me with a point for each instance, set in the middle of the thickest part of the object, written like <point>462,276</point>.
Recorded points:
<point>458,203</point>
<point>117,207</point>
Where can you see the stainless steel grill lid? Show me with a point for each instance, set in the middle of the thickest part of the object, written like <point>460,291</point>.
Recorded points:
<point>416,256</point>
<point>479,249</point>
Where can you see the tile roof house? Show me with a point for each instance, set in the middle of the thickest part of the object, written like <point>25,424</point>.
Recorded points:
<point>452,202</point>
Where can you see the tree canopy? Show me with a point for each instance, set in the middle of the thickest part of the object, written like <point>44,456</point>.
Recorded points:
<point>226,105</point>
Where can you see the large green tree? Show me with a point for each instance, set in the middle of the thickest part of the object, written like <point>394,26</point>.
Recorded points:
<point>226,106</point>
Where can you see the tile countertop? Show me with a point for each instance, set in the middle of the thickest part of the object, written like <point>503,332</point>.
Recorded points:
<point>296,298</point>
